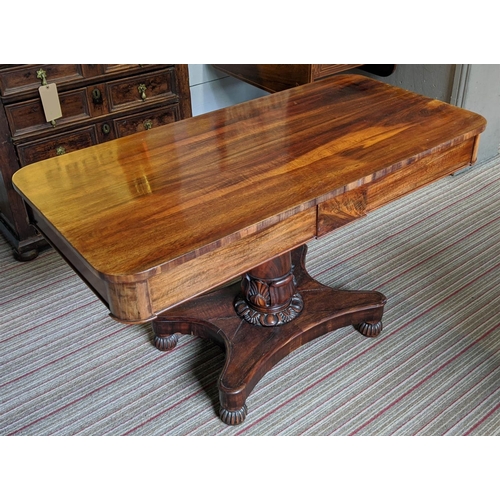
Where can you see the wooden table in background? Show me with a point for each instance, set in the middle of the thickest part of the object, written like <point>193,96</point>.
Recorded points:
<point>278,77</point>
<point>154,221</point>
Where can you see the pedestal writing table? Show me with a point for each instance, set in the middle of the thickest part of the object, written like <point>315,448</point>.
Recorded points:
<point>158,223</point>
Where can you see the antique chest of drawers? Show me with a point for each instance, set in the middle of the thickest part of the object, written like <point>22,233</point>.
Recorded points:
<point>98,102</point>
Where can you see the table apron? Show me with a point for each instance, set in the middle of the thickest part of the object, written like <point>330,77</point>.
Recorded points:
<point>142,301</point>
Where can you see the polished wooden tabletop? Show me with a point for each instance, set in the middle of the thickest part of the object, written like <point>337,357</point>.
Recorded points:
<point>172,194</point>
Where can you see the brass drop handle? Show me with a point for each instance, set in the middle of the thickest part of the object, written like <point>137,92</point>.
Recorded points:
<point>142,91</point>
<point>60,150</point>
<point>41,75</point>
<point>97,96</point>
<point>106,129</point>
<point>148,124</point>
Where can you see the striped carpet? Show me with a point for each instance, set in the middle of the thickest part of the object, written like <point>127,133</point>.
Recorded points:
<point>68,369</point>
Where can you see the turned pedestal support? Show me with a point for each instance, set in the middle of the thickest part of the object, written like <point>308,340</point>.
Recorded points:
<point>277,308</point>
<point>269,294</point>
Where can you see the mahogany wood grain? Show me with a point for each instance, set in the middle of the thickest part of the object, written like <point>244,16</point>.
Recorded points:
<point>152,220</point>
<point>188,188</point>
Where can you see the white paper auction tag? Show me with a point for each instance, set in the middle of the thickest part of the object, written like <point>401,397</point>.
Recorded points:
<point>50,102</point>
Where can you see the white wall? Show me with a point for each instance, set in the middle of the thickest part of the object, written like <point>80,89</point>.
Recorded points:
<point>480,93</point>
<point>431,80</point>
<point>211,89</point>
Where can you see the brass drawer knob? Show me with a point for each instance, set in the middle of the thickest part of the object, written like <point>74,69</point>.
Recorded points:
<point>142,91</point>
<point>106,129</point>
<point>60,150</point>
<point>148,124</point>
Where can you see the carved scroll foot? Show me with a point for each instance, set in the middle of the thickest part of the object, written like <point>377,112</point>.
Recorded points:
<point>369,329</point>
<point>165,335</point>
<point>233,417</point>
<point>165,343</point>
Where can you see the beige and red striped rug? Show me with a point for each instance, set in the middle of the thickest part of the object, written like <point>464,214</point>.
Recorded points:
<point>68,369</point>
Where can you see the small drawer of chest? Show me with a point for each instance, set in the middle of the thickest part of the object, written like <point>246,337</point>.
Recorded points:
<point>28,117</point>
<point>17,81</point>
<point>139,122</point>
<point>141,90</point>
<point>58,144</point>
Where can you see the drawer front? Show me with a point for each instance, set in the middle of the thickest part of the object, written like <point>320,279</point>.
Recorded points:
<point>28,117</point>
<point>21,79</point>
<point>140,90</point>
<point>34,151</point>
<point>105,130</point>
<point>355,203</point>
<point>110,69</point>
<point>208,270</point>
<point>324,70</point>
<point>146,120</point>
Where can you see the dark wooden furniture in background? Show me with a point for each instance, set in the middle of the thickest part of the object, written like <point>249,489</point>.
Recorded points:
<point>99,103</point>
<point>277,77</point>
<point>154,220</point>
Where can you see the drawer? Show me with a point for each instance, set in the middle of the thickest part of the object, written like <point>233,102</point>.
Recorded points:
<point>28,117</point>
<point>146,120</point>
<point>110,69</point>
<point>400,180</point>
<point>34,151</point>
<point>21,79</point>
<point>324,70</point>
<point>142,89</point>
